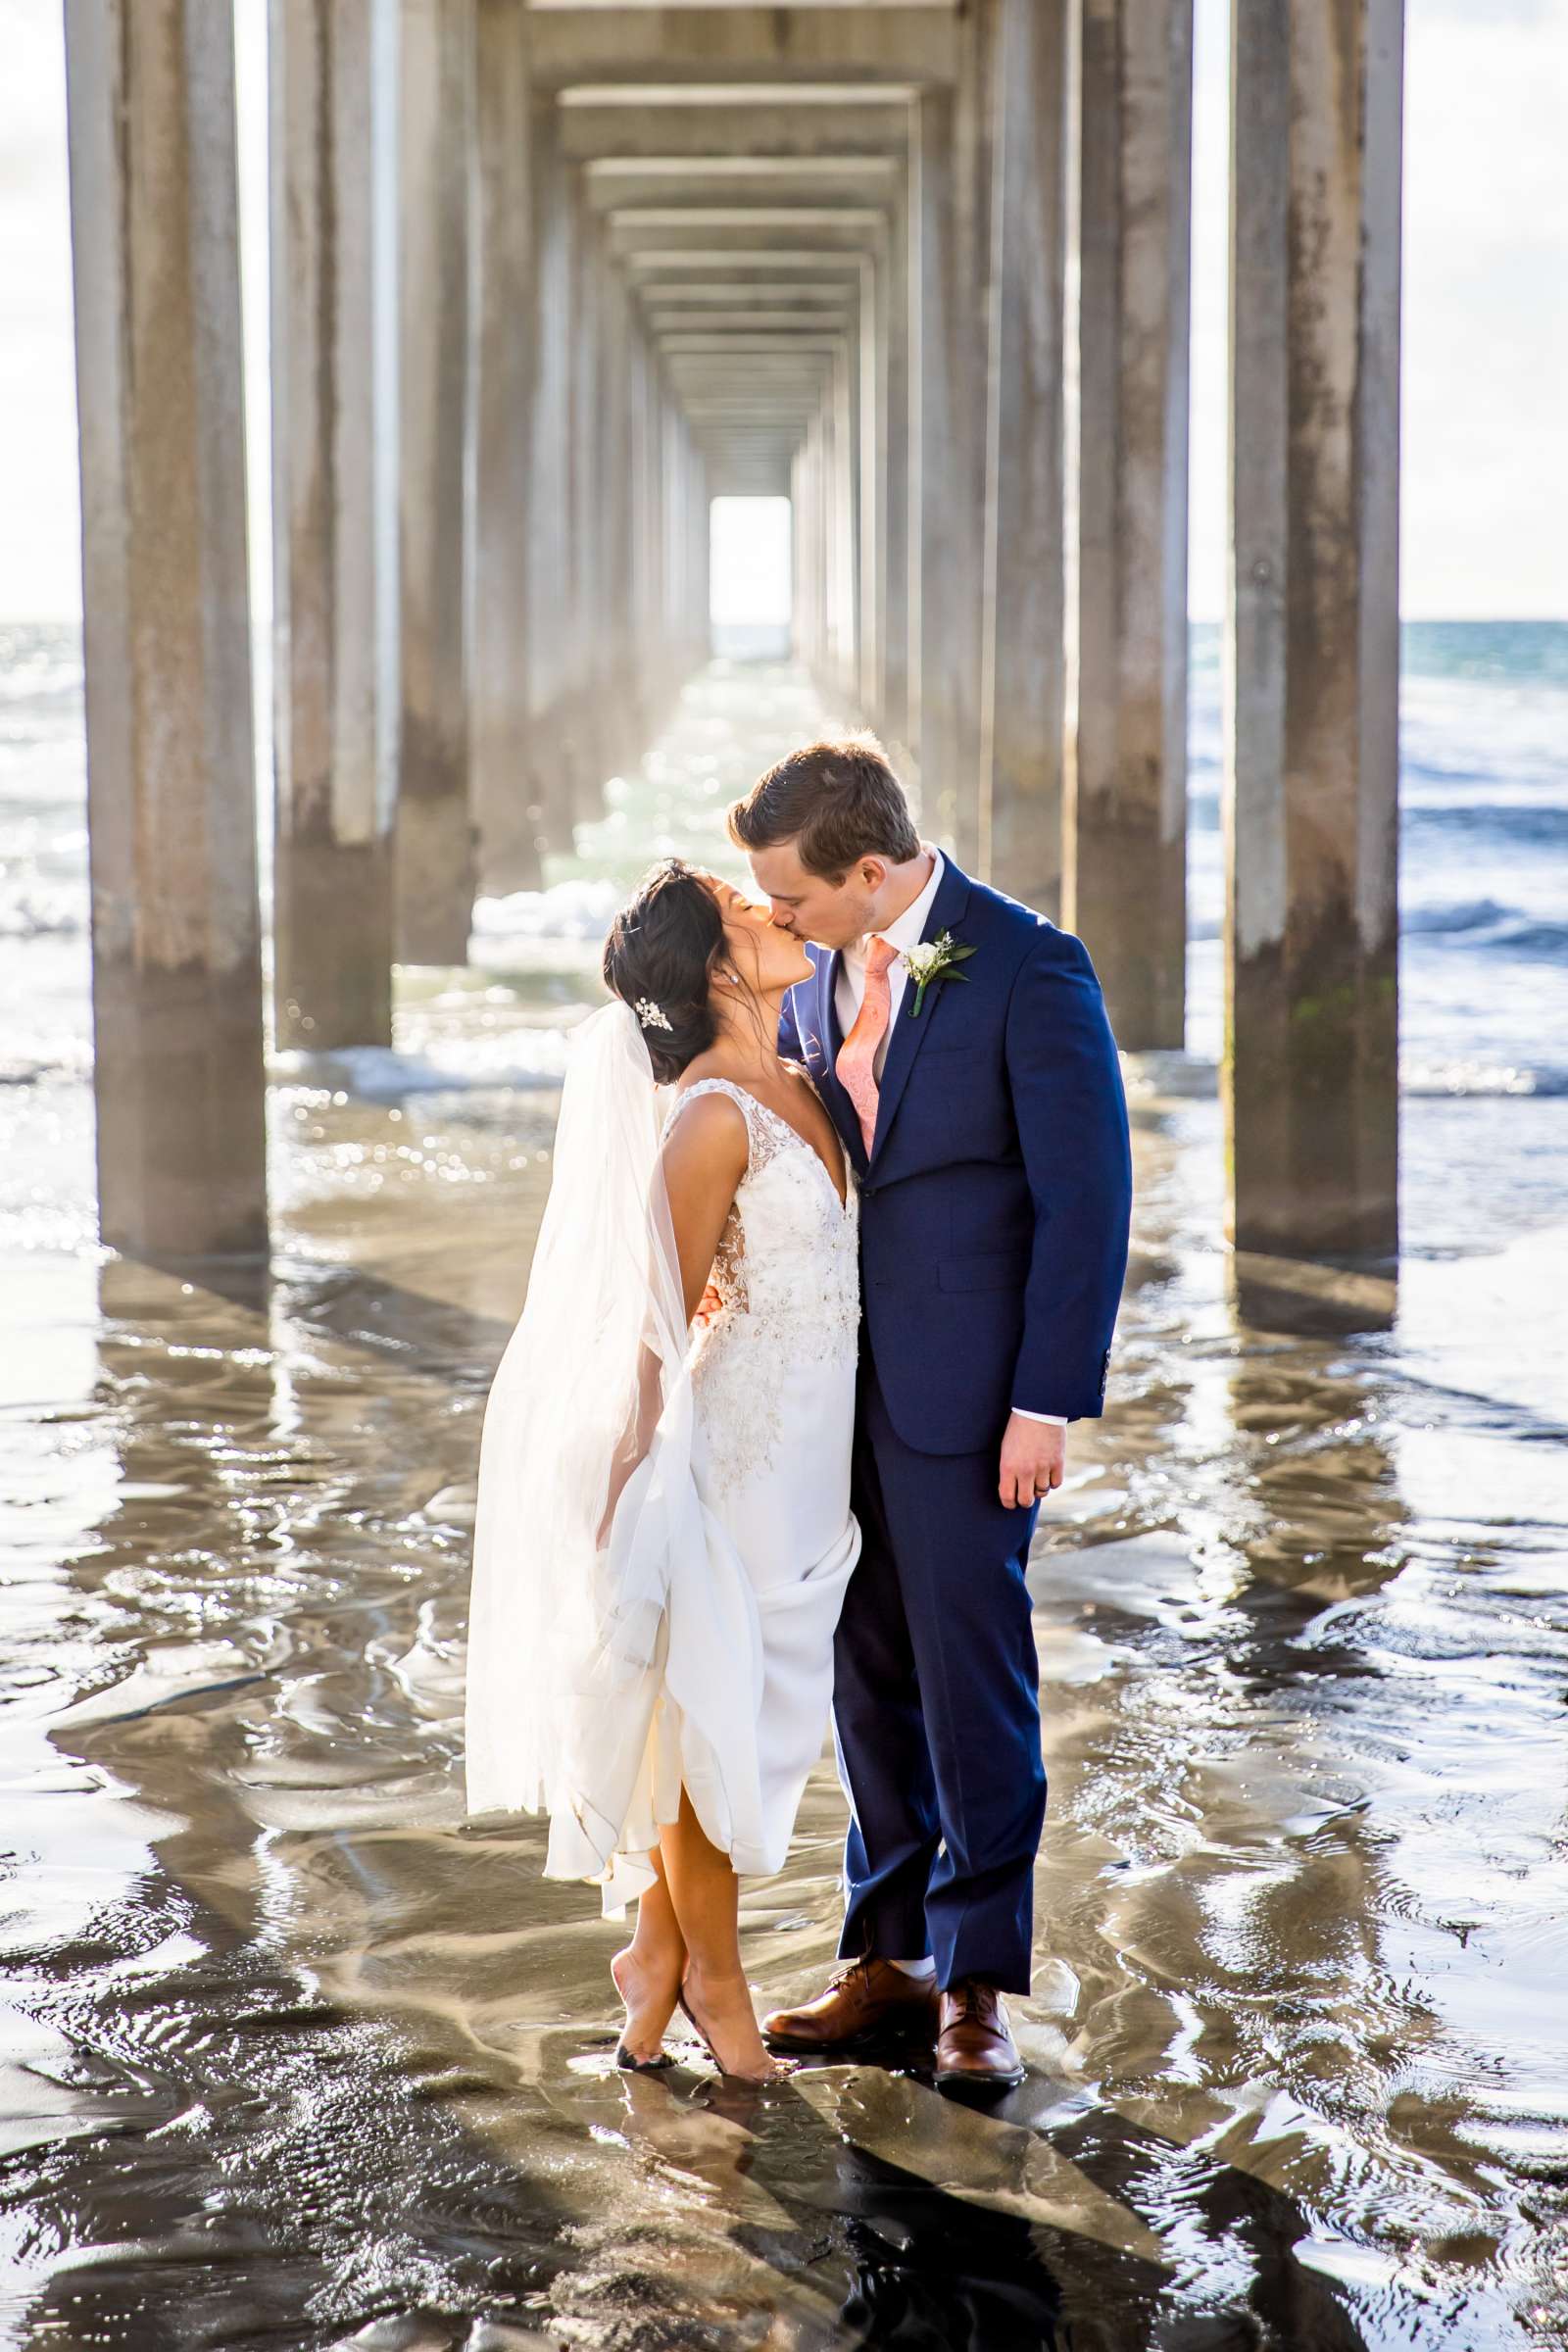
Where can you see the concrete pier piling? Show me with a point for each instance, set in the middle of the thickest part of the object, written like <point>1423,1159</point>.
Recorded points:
<point>587,734</point>
<point>1311,786</point>
<point>1129,192</point>
<point>547,651</point>
<point>333,75</point>
<point>507,812</point>
<point>548,276</point>
<point>171,812</point>
<point>434,860</point>
<point>945,620</point>
<point>1022,676</point>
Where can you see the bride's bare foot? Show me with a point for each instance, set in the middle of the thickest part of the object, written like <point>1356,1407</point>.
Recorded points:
<point>650,1993</point>
<point>721,2010</point>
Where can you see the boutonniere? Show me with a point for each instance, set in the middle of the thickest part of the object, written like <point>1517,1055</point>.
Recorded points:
<point>936,960</point>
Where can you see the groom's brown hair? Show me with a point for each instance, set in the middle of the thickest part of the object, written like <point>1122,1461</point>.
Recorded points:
<point>838,801</point>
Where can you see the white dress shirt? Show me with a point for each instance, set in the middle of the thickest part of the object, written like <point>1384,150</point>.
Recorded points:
<point>849,994</point>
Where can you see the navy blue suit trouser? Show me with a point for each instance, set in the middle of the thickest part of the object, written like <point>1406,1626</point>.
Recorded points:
<point>936,1710</point>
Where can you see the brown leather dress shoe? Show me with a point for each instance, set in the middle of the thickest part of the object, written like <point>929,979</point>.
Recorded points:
<point>867,2002</point>
<point>976,2054</point>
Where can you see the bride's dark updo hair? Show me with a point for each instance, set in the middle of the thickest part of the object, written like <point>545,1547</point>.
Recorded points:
<point>659,952</point>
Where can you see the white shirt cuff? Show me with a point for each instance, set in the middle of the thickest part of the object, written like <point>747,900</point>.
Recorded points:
<point>1057,1420</point>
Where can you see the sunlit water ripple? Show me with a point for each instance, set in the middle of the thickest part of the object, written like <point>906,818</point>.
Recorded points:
<point>294,2059</point>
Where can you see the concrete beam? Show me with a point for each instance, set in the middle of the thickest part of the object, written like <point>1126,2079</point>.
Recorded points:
<point>170,791</point>
<point>740,293</point>
<point>715,428</point>
<point>834,321</point>
<point>1310,1079</point>
<point>1125,852</point>
<point>895,44</point>
<point>674,97</point>
<point>335,131</point>
<point>788,301</point>
<point>837,281</point>
<point>638,229</point>
<point>737,481</point>
<point>697,393</point>
<point>787,344</point>
<point>792,420</point>
<point>775,123</point>
<point>653,265</point>
<point>742,391</point>
<point>764,374</point>
<point>740,474</point>
<point>736,398</point>
<point>612,184</point>
<point>708,422</point>
<point>434,862</point>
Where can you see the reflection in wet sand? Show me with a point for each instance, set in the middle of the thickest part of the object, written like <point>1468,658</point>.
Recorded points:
<point>293,2057</point>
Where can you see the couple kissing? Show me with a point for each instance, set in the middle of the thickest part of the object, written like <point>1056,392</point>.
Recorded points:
<point>831,1261</point>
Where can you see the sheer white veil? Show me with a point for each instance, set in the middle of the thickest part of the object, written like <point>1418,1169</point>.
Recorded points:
<point>587,1494</point>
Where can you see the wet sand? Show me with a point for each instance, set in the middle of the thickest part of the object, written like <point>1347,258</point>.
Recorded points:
<point>294,2058</point>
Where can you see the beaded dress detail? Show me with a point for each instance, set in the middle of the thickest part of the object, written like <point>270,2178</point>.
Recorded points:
<point>787,1275</point>
<point>773,1371</point>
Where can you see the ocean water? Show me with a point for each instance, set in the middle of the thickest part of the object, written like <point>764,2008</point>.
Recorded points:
<point>1483,901</point>
<point>1484,855</point>
<point>289,2057</point>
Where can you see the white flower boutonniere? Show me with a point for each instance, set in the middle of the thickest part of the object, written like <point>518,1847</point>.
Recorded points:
<point>935,959</point>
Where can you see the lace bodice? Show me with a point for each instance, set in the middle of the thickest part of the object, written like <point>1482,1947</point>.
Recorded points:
<point>787,1276</point>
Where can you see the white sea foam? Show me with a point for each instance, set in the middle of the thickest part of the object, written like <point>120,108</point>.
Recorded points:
<point>579,910</point>
<point>513,1058</point>
<point>1484,1079</point>
<point>1170,1074</point>
<point>32,907</point>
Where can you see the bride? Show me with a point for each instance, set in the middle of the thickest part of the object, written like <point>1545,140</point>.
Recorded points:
<point>663,1534</point>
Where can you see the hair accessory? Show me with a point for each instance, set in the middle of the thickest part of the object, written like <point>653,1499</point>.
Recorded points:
<point>652,1016</point>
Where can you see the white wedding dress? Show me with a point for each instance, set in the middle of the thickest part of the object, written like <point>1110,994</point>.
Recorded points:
<point>773,1373</point>
<point>693,1645</point>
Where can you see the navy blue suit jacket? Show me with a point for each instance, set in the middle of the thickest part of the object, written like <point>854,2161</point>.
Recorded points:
<point>995,1206</point>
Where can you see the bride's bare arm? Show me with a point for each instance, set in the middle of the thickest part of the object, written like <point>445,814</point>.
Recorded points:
<point>704,1159</point>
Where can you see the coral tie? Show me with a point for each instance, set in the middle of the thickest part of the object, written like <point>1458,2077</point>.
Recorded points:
<point>856,1062</point>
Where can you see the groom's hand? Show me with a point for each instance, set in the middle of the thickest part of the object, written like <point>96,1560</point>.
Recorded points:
<point>1034,1455</point>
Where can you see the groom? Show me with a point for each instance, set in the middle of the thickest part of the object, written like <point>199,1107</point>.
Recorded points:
<point>961,1044</point>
